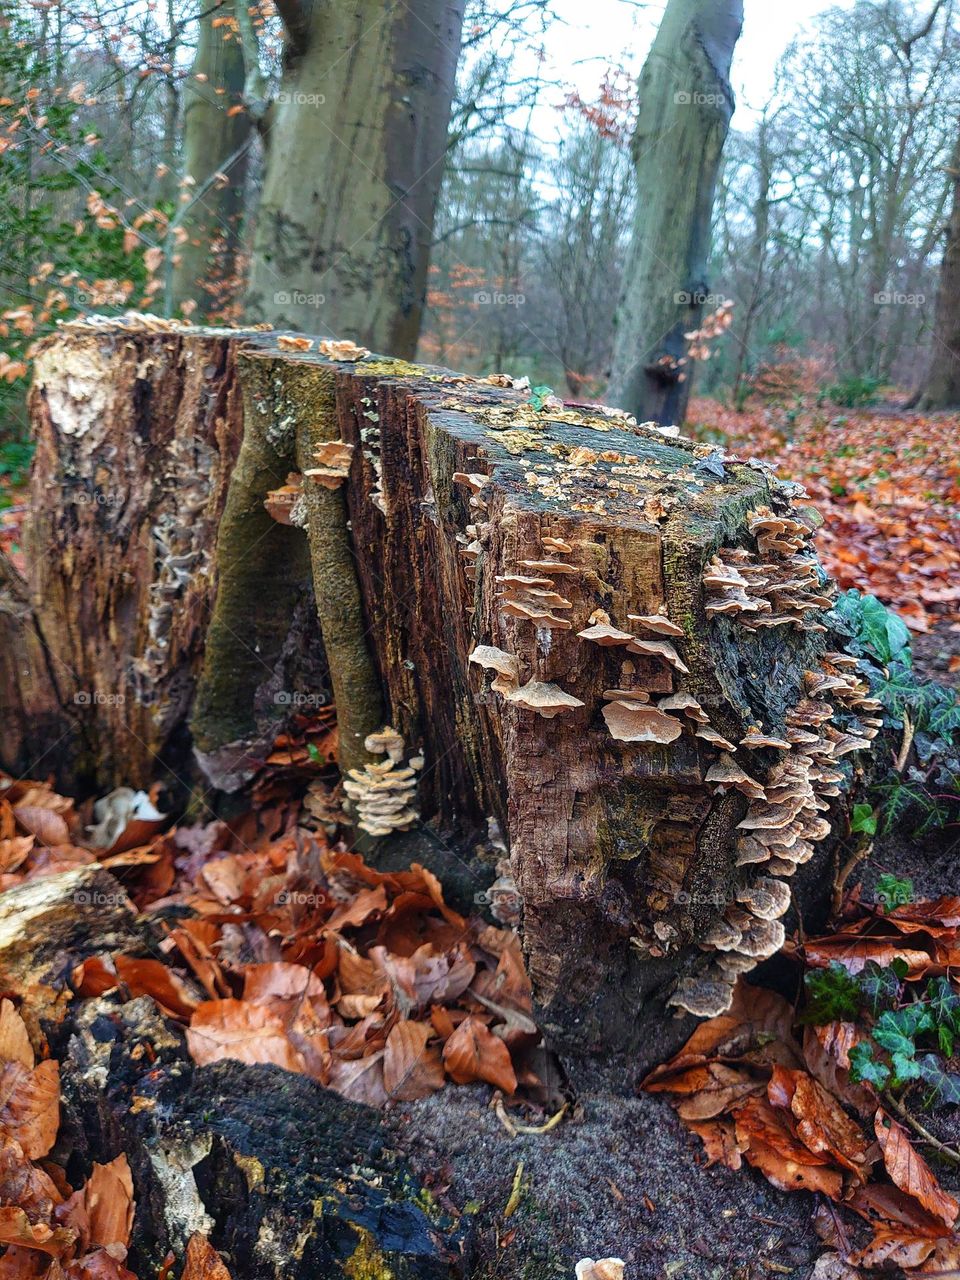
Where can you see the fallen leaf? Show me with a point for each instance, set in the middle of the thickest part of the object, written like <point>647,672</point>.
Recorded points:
<point>410,1069</point>
<point>242,1031</point>
<point>473,1052</point>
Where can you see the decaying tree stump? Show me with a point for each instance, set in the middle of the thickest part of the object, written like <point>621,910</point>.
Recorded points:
<point>608,639</point>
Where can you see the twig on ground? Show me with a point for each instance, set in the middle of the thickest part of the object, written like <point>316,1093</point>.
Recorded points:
<point>947,1153</point>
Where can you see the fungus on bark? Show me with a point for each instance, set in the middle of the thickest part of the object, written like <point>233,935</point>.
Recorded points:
<point>334,457</point>
<point>506,665</point>
<point>630,721</point>
<point>657,623</point>
<point>547,700</point>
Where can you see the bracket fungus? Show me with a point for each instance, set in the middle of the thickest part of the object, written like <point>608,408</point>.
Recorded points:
<point>506,665</point>
<point>334,457</point>
<point>657,623</point>
<point>343,349</point>
<point>630,721</point>
<point>547,700</point>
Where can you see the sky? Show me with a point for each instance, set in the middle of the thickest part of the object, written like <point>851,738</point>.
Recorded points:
<point>588,34</point>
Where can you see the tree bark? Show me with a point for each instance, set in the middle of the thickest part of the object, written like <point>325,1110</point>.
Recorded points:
<point>685,107</point>
<point>217,131</point>
<point>476,538</point>
<point>943,384</point>
<point>356,142</point>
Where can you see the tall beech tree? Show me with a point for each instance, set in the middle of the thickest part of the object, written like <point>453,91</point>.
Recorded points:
<point>217,131</point>
<point>943,387</point>
<point>356,141</point>
<point>685,107</point>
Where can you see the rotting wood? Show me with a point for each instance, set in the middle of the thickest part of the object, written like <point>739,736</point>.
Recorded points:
<point>559,538</point>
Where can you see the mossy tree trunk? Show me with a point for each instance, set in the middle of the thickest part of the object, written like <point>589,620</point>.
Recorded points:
<point>943,386</point>
<point>356,141</point>
<point>610,641</point>
<point>685,107</point>
<point>217,133</point>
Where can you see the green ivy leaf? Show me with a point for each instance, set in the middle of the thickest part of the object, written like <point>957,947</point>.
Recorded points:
<point>864,819</point>
<point>905,1069</point>
<point>879,987</point>
<point>943,1087</point>
<point>833,994</point>
<point>893,1035</point>
<point>538,396</point>
<point>892,892</point>
<point>864,1067</point>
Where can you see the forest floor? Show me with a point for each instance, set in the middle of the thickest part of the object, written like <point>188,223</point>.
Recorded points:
<point>617,1176</point>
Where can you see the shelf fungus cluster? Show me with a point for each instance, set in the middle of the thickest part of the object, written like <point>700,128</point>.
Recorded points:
<point>785,816</point>
<point>383,793</point>
<point>333,458</point>
<point>778,585</point>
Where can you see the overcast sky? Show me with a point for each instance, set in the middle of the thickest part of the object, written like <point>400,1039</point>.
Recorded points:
<point>589,34</point>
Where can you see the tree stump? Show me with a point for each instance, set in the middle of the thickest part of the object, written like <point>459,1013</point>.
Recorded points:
<point>608,639</point>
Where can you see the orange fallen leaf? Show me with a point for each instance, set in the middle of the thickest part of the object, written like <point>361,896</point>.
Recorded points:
<point>910,1172</point>
<point>411,1069</point>
<point>240,1030</point>
<point>473,1052</point>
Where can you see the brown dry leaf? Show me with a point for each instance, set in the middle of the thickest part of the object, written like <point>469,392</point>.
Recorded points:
<point>854,952</point>
<point>410,1069</point>
<point>154,978</point>
<point>202,1262</point>
<point>769,1143</point>
<point>99,1265</point>
<point>23,1183</point>
<point>719,1138</point>
<point>15,851</point>
<point>16,1228</point>
<point>30,1105</point>
<point>910,1172</point>
<point>49,827</point>
<point>105,1203</point>
<point>359,1079</point>
<point>473,1052</point>
<point>94,976</point>
<point>356,912</point>
<point>14,1039</point>
<point>822,1124</point>
<point>242,1031</point>
<point>717,1090</point>
<point>279,980</point>
<point>756,1014</point>
<point>826,1053</point>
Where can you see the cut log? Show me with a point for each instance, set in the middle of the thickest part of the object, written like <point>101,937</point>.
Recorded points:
<point>610,640</point>
<point>287,1179</point>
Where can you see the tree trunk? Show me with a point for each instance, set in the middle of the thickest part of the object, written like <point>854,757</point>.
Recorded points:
<point>571,624</point>
<point>685,107</point>
<point>943,385</point>
<point>356,142</point>
<point>217,131</point>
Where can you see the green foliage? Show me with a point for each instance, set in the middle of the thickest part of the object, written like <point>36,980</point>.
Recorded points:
<point>538,397</point>
<point>833,994</point>
<point>863,820</point>
<point>853,392</point>
<point>908,1042</point>
<point>893,892</point>
<point>15,459</point>
<point>926,795</point>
